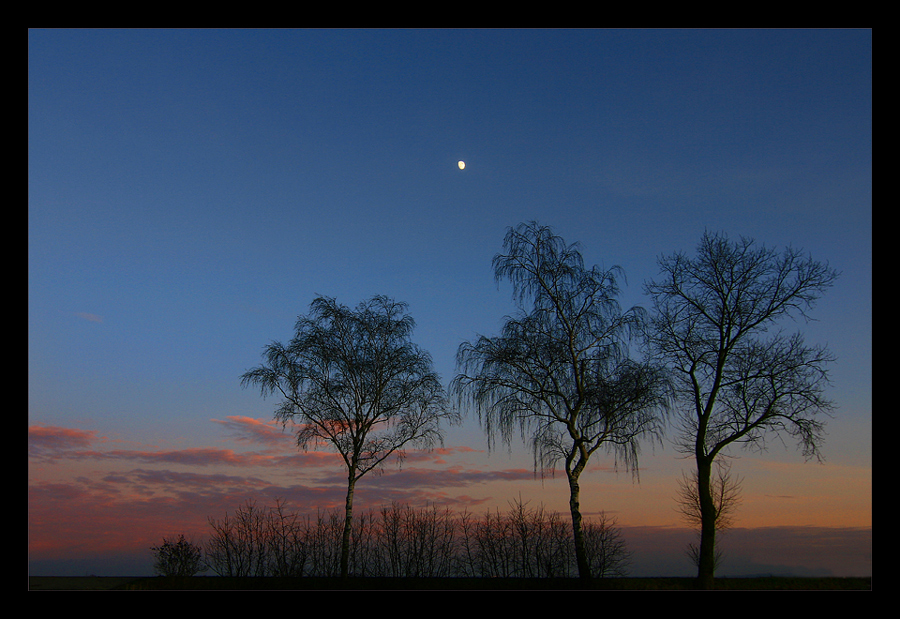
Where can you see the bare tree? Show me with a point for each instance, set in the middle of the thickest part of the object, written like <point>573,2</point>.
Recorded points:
<point>352,379</point>
<point>736,382</point>
<point>285,547</point>
<point>238,546</point>
<point>178,557</point>
<point>531,542</point>
<point>560,371</point>
<point>399,541</point>
<point>606,549</point>
<point>418,544</point>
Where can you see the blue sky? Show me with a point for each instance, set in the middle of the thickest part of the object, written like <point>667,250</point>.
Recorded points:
<point>191,191</point>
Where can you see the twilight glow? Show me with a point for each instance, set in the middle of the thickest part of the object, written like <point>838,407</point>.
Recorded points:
<point>191,191</point>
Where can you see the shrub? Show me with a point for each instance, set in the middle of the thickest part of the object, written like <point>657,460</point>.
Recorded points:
<point>178,558</point>
<point>399,541</point>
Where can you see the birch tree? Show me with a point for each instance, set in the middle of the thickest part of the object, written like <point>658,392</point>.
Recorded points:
<point>560,371</point>
<point>352,379</point>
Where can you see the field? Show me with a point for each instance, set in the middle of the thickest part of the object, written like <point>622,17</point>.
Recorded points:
<point>157,583</point>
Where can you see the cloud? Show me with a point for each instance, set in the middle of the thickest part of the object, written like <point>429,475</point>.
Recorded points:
<point>429,473</point>
<point>790,550</point>
<point>208,456</point>
<point>81,517</point>
<point>448,477</point>
<point>248,429</point>
<point>113,508</point>
<point>178,481</point>
<point>132,506</point>
<point>53,441</point>
<point>204,456</point>
<point>127,512</point>
<point>55,491</point>
<point>438,454</point>
<point>90,317</point>
<point>833,551</point>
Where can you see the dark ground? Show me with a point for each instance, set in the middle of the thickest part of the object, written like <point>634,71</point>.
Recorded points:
<point>206,583</point>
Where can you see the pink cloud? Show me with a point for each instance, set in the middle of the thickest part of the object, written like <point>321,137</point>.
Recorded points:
<point>107,518</point>
<point>51,441</point>
<point>190,457</point>
<point>177,482</point>
<point>437,455</point>
<point>447,477</point>
<point>178,490</point>
<point>128,511</point>
<point>248,429</point>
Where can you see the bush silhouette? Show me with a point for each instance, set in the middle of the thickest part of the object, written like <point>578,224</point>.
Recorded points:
<point>399,541</point>
<point>178,558</point>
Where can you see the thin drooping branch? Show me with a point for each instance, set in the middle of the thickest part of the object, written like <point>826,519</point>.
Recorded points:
<point>560,372</point>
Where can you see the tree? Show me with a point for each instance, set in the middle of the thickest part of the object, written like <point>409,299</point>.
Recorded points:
<point>606,549</point>
<point>352,379</point>
<point>177,558</point>
<point>726,494</point>
<point>560,371</point>
<point>738,378</point>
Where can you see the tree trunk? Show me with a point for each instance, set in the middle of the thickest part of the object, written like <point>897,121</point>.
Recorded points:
<point>348,527</point>
<point>584,568</point>
<point>706,563</point>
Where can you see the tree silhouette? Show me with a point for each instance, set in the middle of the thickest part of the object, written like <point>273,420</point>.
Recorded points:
<point>726,494</point>
<point>177,558</point>
<point>735,381</point>
<point>352,379</point>
<point>560,371</point>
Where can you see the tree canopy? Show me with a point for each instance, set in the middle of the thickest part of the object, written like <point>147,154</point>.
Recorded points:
<point>352,378</point>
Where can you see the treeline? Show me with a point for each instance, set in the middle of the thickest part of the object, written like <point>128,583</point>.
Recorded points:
<point>399,541</point>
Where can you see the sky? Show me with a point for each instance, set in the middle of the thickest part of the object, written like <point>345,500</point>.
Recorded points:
<point>190,192</point>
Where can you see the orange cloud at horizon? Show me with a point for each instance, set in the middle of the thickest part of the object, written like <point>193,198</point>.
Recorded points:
<point>82,496</point>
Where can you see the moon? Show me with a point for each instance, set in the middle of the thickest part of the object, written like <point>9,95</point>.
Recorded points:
<point>462,165</point>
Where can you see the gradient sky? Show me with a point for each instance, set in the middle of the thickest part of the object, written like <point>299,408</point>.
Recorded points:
<point>191,191</point>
